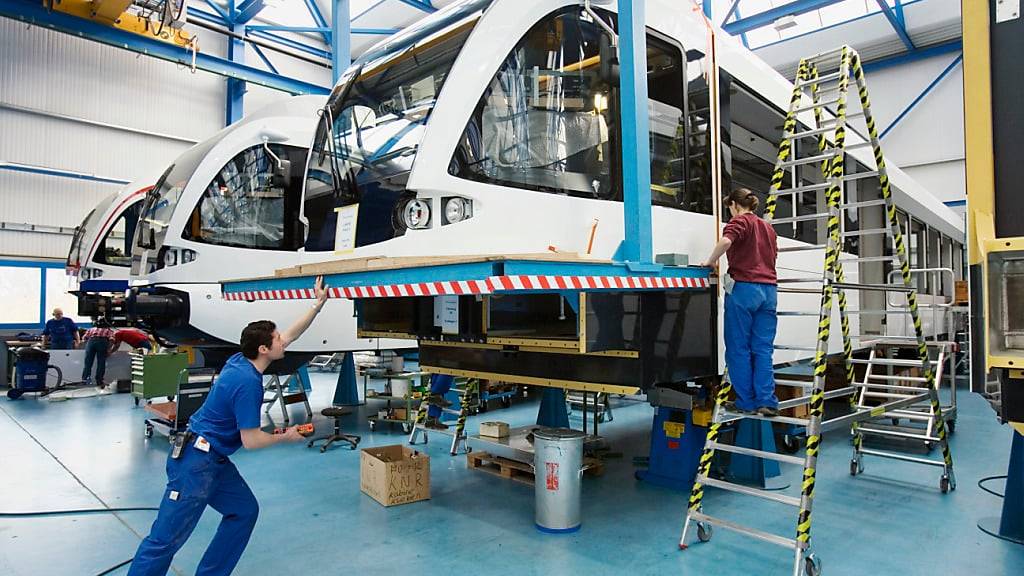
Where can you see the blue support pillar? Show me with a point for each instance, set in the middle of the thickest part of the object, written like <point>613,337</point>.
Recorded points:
<point>1010,526</point>
<point>236,54</point>
<point>346,393</point>
<point>706,5</point>
<point>636,153</point>
<point>553,412</point>
<point>758,435</point>
<point>341,39</point>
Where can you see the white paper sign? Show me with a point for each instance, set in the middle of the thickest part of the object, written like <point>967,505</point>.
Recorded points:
<point>449,314</point>
<point>345,229</point>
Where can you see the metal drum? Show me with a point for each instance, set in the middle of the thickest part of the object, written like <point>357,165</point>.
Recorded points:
<point>558,474</point>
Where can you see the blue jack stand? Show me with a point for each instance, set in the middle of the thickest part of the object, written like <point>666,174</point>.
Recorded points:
<point>553,412</point>
<point>676,446</point>
<point>1010,526</point>
<point>765,474</point>
<point>346,393</point>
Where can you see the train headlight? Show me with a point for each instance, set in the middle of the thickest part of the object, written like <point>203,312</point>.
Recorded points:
<point>187,256</point>
<point>170,258</point>
<point>84,275</point>
<point>416,214</point>
<point>97,273</point>
<point>457,209</point>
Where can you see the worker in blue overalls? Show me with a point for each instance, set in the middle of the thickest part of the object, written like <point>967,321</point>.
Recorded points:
<point>751,298</point>
<point>199,472</point>
<point>60,333</point>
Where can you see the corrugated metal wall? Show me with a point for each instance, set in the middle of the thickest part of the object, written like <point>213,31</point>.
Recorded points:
<point>55,89</point>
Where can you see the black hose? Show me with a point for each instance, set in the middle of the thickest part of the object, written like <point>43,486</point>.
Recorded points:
<point>981,484</point>
<point>115,567</point>
<point>72,511</point>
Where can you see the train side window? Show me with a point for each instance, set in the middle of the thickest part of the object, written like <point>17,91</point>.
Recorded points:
<point>544,123</point>
<point>116,247</point>
<point>548,122</point>
<point>244,207</point>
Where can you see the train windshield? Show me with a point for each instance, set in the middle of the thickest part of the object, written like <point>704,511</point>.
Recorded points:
<point>163,198</point>
<point>368,135</point>
<point>78,247</point>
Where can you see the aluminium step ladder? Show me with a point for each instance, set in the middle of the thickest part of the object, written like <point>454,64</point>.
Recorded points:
<point>284,397</point>
<point>459,436</point>
<point>885,378</point>
<point>829,72</point>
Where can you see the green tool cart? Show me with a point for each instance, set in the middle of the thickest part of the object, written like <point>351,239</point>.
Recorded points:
<point>156,375</point>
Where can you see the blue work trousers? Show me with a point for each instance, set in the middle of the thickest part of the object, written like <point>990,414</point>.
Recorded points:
<point>96,350</point>
<point>196,480</point>
<point>61,345</point>
<point>440,384</point>
<point>750,325</point>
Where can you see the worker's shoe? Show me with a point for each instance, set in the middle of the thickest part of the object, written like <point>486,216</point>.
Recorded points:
<point>732,407</point>
<point>768,411</point>
<point>438,400</point>
<point>435,424</point>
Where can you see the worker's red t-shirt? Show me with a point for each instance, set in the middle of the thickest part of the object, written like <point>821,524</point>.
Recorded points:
<point>753,251</point>
<point>134,338</point>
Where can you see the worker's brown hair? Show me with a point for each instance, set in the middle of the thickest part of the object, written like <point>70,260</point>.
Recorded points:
<point>743,197</point>
<point>256,334</point>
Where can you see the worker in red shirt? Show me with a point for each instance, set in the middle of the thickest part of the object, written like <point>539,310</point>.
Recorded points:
<point>135,338</point>
<point>751,298</point>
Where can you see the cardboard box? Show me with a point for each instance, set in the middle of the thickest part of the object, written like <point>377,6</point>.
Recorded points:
<point>400,413</point>
<point>394,474</point>
<point>961,296</point>
<point>494,429</point>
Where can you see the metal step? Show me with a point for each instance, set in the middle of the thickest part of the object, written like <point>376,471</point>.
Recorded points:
<point>860,176</point>
<point>803,248</point>
<point>785,290</point>
<point>733,417</point>
<point>741,489</point>
<point>799,348</point>
<point>903,457</point>
<point>892,362</point>
<point>796,313</point>
<point>808,188</point>
<point>887,395</point>
<point>799,280</point>
<point>801,218</point>
<point>865,232</point>
<point>756,453</point>
<point>821,104</point>
<point>848,117</point>
<point>873,287</point>
<point>752,532</point>
<point>863,204</point>
<point>795,383</point>
<point>820,79</point>
<point>875,386</point>
<point>863,259</point>
<point>899,378</point>
<point>809,160</point>
<point>809,133</point>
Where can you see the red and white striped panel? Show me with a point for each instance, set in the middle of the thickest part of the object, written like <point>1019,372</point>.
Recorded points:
<point>516,283</point>
<point>493,284</point>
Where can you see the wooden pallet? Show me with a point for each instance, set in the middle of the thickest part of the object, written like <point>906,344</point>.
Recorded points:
<point>519,471</point>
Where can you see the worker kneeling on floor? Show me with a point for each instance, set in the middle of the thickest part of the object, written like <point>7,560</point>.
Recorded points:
<point>199,472</point>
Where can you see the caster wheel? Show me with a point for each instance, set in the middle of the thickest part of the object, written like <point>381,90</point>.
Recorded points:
<point>812,566</point>
<point>149,431</point>
<point>14,393</point>
<point>170,398</point>
<point>373,425</point>
<point>506,402</point>
<point>856,467</point>
<point>704,532</point>
<point>951,426</point>
<point>136,400</point>
<point>482,408</point>
<point>946,484</point>
<point>790,444</point>
<point>406,428</point>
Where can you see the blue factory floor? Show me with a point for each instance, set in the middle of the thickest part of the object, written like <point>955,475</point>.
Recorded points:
<point>91,452</point>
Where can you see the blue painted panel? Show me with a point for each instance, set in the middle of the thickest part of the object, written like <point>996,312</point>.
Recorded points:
<point>341,38</point>
<point>103,286</point>
<point>636,154</point>
<point>541,268</point>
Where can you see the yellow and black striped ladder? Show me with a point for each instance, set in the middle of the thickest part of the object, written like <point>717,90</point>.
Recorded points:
<point>832,69</point>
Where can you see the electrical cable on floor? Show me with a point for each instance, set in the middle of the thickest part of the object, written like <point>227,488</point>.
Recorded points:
<point>981,484</point>
<point>112,568</point>
<point>74,511</point>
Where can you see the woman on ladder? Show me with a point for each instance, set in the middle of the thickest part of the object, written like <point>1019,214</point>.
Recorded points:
<point>750,304</point>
